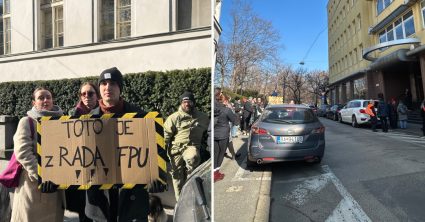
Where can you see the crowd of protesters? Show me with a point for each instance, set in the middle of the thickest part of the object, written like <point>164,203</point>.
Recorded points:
<point>46,202</point>
<point>392,114</point>
<point>232,117</point>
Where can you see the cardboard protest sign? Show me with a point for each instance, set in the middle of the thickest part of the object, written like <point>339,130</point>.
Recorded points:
<point>275,100</point>
<point>100,150</point>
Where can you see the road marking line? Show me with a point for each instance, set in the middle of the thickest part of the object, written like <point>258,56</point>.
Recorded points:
<point>234,189</point>
<point>348,207</point>
<point>242,170</point>
<point>307,189</point>
<point>301,179</point>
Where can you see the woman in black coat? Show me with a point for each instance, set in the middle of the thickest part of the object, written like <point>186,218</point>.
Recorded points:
<point>222,116</point>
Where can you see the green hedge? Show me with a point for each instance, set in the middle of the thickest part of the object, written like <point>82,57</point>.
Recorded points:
<point>152,91</point>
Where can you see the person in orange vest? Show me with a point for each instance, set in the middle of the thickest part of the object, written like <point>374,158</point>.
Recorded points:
<point>370,110</point>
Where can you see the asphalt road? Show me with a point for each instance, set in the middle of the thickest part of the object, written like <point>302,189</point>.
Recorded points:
<point>364,176</point>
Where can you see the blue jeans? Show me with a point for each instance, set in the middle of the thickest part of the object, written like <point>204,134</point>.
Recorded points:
<point>234,131</point>
<point>403,124</point>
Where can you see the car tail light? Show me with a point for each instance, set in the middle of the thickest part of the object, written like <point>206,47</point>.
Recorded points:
<point>319,130</point>
<point>362,111</point>
<point>258,130</point>
<point>269,158</point>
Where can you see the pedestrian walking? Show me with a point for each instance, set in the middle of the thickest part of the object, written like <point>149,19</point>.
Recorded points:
<point>29,202</point>
<point>247,113</point>
<point>370,110</point>
<point>230,146</point>
<point>402,114</point>
<point>222,116</point>
<point>185,131</point>
<point>118,204</point>
<point>383,112</point>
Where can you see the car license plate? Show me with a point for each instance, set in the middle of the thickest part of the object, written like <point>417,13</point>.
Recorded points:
<point>289,139</point>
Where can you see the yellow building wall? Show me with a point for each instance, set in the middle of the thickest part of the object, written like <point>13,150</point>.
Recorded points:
<point>348,24</point>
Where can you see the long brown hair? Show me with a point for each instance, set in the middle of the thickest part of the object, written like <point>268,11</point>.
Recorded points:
<point>90,84</point>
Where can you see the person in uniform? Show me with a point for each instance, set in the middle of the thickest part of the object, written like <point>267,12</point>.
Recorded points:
<point>184,132</point>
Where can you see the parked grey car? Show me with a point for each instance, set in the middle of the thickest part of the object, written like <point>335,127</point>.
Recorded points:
<point>286,133</point>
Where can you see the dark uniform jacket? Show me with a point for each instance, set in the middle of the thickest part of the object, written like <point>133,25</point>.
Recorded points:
<point>223,116</point>
<point>118,204</point>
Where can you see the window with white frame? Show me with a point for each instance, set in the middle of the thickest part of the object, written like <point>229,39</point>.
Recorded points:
<point>382,4</point>
<point>193,14</point>
<point>5,28</point>
<point>114,19</point>
<point>51,24</point>
<point>402,28</point>
<point>106,20</point>
<point>7,36</point>
<point>123,18</point>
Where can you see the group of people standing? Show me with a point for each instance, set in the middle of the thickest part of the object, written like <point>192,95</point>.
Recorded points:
<point>228,117</point>
<point>395,113</point>
<point>185,131</point>
<point>248,111</point>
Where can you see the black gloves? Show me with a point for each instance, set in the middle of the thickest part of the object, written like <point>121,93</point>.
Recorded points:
<point>156,187</point>
<point>48,187</point>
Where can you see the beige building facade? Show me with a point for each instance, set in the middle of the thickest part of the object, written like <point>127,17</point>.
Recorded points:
<point>54,39</point>
<point>388,44</point>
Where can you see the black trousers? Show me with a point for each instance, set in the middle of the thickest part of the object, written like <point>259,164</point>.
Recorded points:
<point>220,147</point>
<point>384,123</point>
<point>246,120</point>
<point>373,121</point>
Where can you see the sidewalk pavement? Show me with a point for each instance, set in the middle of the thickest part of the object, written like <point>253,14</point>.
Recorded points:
<point>412,129</point>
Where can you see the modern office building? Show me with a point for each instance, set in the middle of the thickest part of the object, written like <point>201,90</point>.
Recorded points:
<point>54,39</point>
<point>376,46</point>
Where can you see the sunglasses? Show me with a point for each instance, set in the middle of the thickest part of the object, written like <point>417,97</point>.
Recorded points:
<point>88,94</point>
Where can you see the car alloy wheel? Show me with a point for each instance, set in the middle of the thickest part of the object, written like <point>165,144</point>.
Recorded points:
<point>354,122</point>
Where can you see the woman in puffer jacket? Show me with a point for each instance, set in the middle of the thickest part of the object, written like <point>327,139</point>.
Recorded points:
<point>29,202</point>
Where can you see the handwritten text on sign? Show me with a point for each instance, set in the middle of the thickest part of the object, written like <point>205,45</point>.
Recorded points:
<point>98,151</point>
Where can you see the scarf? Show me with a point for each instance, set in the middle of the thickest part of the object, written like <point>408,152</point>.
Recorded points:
<point>82,109</point>
<point>118,108</point>
<point>34,113</point>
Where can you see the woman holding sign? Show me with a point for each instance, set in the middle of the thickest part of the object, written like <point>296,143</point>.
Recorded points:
<point>31,203</point>
<point>88,99</point>
<point>89,95</point>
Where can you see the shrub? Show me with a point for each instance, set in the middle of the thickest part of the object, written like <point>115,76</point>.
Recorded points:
<point>152,91</point>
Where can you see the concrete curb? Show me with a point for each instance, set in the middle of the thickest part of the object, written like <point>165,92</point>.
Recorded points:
<point>263,204</point>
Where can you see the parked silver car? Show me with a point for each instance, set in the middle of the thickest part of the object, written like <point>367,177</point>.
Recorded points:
<point>286,133</point>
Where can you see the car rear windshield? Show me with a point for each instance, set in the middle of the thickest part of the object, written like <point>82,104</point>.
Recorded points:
<point>291,115</point>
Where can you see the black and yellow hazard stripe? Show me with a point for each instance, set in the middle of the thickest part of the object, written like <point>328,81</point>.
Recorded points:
<point>159,137</point>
